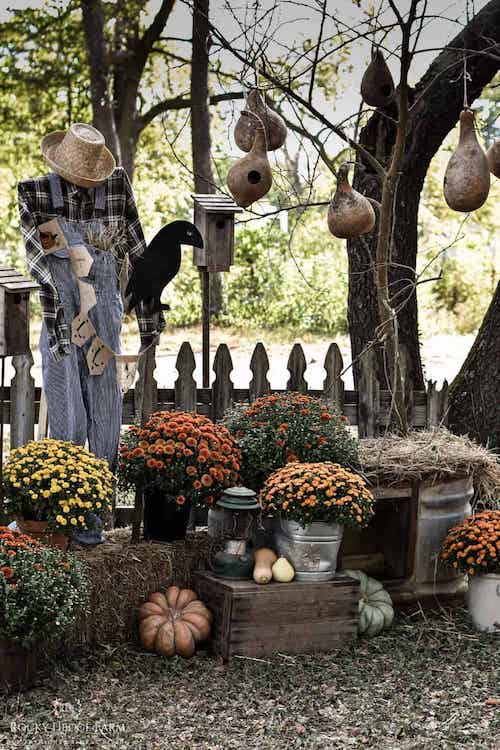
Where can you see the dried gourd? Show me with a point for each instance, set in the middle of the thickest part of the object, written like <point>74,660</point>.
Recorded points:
<point>274,125</point>
<point>467,177</point>
<point>350,214</point>
<point>493,157</point>
<point>250,178</point>
<point>174,623</point>
<point>377,85</point>
<point>376,611</point>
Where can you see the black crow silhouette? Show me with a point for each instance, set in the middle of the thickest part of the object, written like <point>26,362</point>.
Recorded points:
<point>159,264</point>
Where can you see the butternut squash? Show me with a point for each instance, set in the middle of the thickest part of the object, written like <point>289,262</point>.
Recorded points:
<point>264,560</point>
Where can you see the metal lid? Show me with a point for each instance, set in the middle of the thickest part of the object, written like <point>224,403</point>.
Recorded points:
<point>238,498</point>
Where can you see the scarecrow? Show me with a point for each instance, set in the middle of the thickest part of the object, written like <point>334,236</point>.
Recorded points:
<point>80,225</point>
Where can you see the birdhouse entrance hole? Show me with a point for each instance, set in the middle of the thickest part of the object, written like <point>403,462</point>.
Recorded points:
<point>220,223</point>
<point>254,177</point>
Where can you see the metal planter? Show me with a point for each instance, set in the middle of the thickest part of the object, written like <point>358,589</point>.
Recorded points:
<point>311,550</point>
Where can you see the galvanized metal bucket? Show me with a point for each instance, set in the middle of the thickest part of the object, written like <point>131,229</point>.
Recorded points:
<point>311,550</point>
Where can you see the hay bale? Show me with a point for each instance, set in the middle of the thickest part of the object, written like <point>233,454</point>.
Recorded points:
<point>123,575</point>
<point>431,455</point>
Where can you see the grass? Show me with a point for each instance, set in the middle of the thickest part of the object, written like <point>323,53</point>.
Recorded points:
<point>430,683</point>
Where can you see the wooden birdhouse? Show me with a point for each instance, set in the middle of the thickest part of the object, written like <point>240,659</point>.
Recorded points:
<point>14,312</point>
<point>214,217</point>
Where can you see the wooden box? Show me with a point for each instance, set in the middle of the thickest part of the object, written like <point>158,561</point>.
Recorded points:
<point>253,620</point>
<point>14,312</point>
<point>214,217</point>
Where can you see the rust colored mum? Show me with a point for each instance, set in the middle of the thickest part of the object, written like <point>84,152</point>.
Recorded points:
<point>474,545</point>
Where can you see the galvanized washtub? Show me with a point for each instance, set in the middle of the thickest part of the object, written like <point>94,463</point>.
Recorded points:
<point>311,550</point>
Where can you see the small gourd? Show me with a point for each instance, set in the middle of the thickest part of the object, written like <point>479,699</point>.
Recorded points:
<point>350,214</point>
<point>467,176</point>
<point>173,623</point>
<point>264,560</point>
<point>274,125</point>
<point>376,611</point>
<point>283,572</point>
<point>250,178</point>
<point>493,156</point>
<point>377,85</point>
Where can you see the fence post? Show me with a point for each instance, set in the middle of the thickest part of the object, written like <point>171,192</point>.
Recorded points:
<point>22,401</point>
<point>222,388</point>
<point>296,367</point>
<point>333,385</point>
<point>368,395</point>
<point>259,365</point>
<point>185,385</point>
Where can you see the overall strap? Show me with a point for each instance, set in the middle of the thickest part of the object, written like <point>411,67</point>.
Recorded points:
<point>100,198</point>
<point>56,192</point>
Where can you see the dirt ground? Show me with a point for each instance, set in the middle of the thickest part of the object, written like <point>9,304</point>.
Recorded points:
<point>429,683</point>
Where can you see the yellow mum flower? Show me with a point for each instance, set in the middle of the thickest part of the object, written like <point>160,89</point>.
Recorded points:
<point>73,521</point>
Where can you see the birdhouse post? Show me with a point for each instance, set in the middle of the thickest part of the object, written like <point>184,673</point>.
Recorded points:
<point>14,329</point>
<point>214,218</point>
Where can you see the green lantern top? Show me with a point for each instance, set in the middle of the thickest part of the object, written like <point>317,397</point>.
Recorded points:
<point>238,498</point>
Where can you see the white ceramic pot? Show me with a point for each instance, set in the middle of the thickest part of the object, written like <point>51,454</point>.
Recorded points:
<point>484,602</point>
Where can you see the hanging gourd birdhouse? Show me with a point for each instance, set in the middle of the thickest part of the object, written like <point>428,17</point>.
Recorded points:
<point>274,125</point>
<point>377,86</point>
<point>214,218</point>
<point>250,178</point>
<point>14,312</point>
<point>467,176</point>
<point>493,157</point>
<point>350,214</point>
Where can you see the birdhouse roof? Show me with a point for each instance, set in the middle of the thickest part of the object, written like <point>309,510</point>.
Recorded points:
<point>14,281</point>
<point>216,204</point>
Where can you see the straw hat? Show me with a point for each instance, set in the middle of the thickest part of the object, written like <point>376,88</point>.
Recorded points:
<point>79,155</point>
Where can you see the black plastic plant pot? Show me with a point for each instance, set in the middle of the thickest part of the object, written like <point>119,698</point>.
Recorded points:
<point>164,520</point>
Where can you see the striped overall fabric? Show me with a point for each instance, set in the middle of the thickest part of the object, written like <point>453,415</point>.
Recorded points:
<point>83,407</point>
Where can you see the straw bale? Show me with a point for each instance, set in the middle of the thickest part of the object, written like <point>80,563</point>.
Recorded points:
<point>431,455</point>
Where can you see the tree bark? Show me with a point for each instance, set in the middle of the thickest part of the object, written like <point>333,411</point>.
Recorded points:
<point>201,143</point>
<point>474,396</point>
<point>436,104</point>
<point>102,108</point>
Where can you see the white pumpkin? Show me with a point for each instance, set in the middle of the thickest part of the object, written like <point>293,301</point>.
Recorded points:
<point>375,604</point>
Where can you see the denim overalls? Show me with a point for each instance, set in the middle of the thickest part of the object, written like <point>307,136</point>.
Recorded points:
<point>84,406</point>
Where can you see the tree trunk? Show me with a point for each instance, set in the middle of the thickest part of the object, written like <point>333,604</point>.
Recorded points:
<point>474,395</point>
<point>102,108</point>
<point>437,102</point>
<point>201,144</point>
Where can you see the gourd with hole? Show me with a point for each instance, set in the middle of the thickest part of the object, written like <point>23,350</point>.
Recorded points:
<point>246,127</point>
<point>467,176</point>
<point>377,85</point>
<point>250,178</point>
<point>350,214</point>
<point>376,611</point>
<point>493,157</point>
<point>174,623</point>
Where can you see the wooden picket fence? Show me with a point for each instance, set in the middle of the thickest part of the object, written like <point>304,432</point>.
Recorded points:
<point>368,408</point>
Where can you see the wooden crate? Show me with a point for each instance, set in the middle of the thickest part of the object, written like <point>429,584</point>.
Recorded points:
<point>252,620</point>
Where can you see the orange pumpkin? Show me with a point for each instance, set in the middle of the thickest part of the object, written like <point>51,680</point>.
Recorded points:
<point>173,623</point>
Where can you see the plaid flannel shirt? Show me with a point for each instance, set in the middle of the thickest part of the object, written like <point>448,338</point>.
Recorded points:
<point>35,208</point>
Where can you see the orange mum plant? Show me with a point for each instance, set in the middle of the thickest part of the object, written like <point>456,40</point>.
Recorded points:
<point>306,492</point>
<point>184,455</point>
<point>474,545</point>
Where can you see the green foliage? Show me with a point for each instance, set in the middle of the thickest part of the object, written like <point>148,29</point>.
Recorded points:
<point>288,427</point>
<point>41,590</point>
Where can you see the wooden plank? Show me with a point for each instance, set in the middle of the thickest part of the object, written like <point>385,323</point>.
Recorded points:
<point>333,385</point>
<point>43,419</point>
<point>185,385</point>
<point>145,392</point>
<point>22,407</point>
<point>296,367</point>
<point>259,365</point>
<point>222,389</point>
